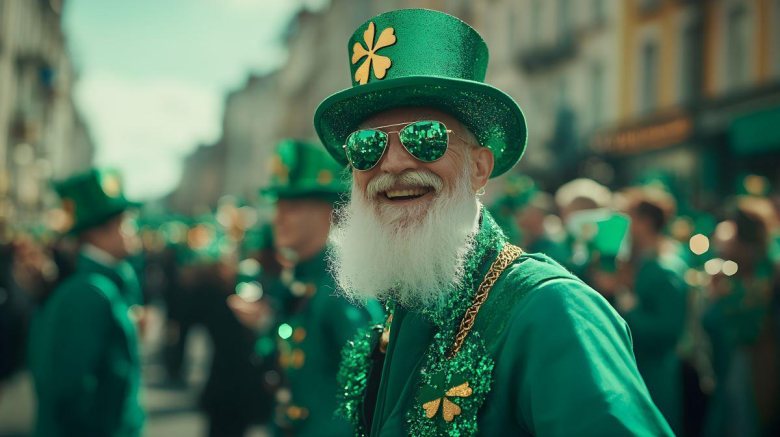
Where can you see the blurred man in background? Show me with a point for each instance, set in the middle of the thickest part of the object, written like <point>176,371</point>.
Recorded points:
<point>738,320</point>
<point>651,294</point>
<point>579,203</point>
<point>312,323</point>
<point>83,346</point>
<point>533,220</point>
<point>233,397</point>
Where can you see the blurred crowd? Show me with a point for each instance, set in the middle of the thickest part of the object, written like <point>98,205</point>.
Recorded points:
<point>699,290</point>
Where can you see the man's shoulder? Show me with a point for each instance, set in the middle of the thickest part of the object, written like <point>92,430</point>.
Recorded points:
<point>537,289</point>
<point>532,271</point>
<point>87,286</point>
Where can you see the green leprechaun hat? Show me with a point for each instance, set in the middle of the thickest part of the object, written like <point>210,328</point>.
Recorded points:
<point>420,57</point>
<point>92,198</point>
<point>303,170</point>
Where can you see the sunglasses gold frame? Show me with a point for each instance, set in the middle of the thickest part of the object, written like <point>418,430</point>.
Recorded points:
<point>398,132</point>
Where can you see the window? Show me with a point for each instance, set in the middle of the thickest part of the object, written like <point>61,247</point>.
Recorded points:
<point>565,25</point>
<point>597,94</point>
<point>599,14</point>
<point>737,60</point>
<point>776,49</point>
<point>647,6</point>
<point>536,20</point>
<point>649,74</point>
<point>689,57</point>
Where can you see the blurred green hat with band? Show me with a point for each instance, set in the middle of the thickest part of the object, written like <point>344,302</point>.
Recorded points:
<point>420,57</point>
<point>518,192</point>
<point>302,170</point>
<point>92,198</point>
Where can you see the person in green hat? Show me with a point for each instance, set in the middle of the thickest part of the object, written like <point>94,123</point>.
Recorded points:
<point>532,220</point>
<point>312,324</point>
<point>483,338</point>
<point>651,294</point>
<point>83,344</point>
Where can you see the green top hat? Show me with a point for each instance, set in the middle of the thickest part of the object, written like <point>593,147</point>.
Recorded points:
<point>303,170</point>
<point>420,57</point>
<point>92,198</point>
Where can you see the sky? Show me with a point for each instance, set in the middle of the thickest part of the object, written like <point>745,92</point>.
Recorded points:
<point>153,74</point>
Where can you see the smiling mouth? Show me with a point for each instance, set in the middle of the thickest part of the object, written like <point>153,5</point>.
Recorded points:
<point>406,194</point>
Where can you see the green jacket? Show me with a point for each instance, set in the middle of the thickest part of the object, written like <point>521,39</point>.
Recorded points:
<point>83,353</point>
<point>657,323</point>
<point>547,356</point>
<point>312,334</point>
<point>736,326</point>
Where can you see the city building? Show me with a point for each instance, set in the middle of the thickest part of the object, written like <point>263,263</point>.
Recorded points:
<point>699,90</point>
<point>611,89</point>
<point>249,132</point>
<point>559,60</point>
<point>202,182</point>
<point>41,133</point>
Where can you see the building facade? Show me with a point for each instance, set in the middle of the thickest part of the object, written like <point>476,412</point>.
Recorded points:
<point>698,81</point>
<point>249,132</point>
<point>611,89</point>
<point>42,135</point>
<point>202,182</point>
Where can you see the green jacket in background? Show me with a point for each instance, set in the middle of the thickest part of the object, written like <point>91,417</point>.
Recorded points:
<point>736,324</point>
<point>312,333</point>
<point>657,323</point>
<point>83,353</point>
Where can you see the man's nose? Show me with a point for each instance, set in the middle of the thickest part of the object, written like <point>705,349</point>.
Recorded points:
<point>397,159</point>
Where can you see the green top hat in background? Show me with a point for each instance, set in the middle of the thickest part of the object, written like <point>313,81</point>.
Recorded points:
<point>519,192</point>
<point>420,57</point>
<point>92,198</point>
<point>302,170</point>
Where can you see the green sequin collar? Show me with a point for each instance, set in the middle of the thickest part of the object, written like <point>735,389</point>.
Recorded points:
<point>487,244</point>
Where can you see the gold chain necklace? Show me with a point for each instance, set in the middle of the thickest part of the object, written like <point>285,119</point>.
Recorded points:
<point>507,256</point>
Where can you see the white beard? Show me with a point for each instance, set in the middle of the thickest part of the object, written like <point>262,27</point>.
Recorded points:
<point>412,256</point>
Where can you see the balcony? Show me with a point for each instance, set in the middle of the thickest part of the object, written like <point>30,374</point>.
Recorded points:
<point>544,57</point>
<point>649,6</point>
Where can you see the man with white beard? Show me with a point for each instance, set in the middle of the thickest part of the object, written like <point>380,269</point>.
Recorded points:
<point>482,338</point>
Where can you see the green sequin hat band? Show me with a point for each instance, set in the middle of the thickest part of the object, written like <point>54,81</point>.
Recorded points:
<point>423,58</point>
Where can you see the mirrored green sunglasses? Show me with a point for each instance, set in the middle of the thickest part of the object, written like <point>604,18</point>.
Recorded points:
<point>426,140</point>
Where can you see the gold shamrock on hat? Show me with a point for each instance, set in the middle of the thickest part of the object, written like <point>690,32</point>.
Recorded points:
<point>69,208</point>
<point>324,177</point>
<point>279,170</point>
<point>111,185</point>
<point>380,63</point>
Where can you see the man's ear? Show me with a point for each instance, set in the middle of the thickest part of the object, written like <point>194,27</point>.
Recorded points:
<point>482,163</point>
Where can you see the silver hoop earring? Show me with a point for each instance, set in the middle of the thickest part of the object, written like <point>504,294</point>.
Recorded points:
<point>481,191</point>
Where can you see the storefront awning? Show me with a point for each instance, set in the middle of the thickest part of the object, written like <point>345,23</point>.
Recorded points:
<point>758,132</point>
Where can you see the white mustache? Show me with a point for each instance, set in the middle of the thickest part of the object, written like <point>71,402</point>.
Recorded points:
<point>414,178</point>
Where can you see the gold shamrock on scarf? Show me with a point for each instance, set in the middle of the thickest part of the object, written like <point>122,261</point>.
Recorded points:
<point>380,63</point>
<point>449,409</point>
